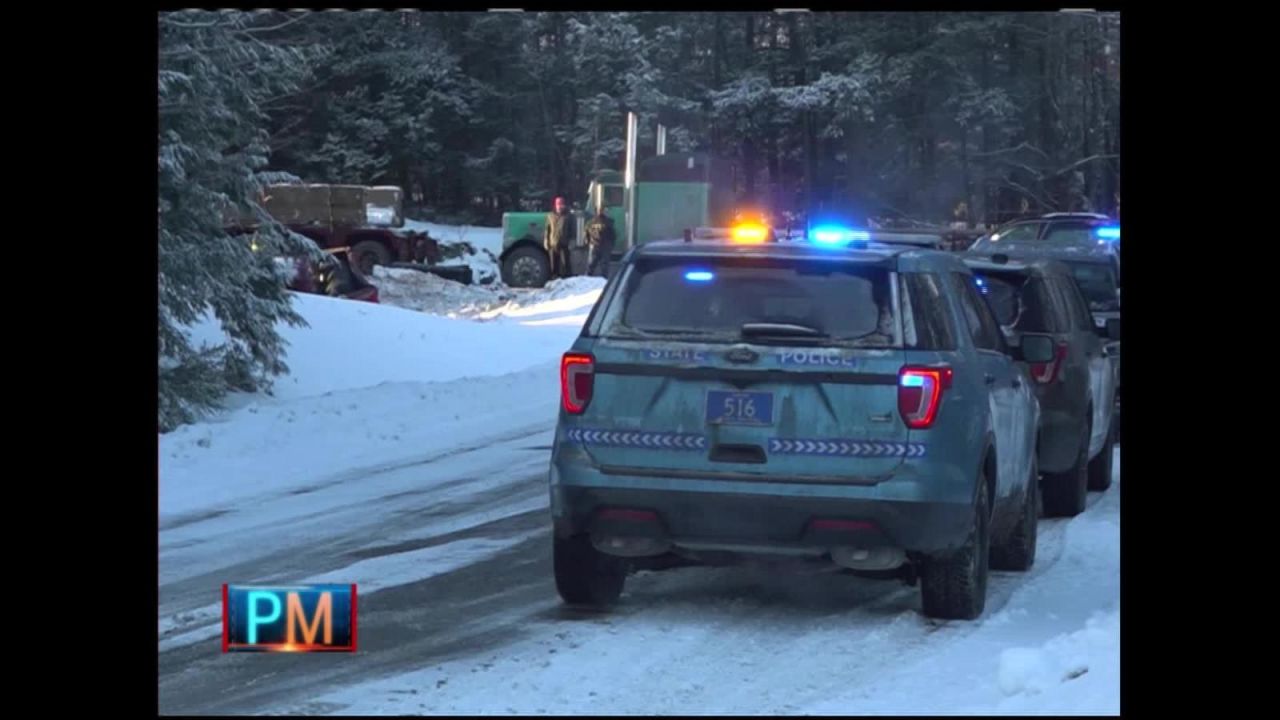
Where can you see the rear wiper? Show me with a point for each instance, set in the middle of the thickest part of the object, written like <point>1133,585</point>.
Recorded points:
<point>780,330</point>
<point>654,333</point>
<point>669,331</point>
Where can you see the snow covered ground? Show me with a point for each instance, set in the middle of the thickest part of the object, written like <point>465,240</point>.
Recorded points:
<point>407,452</point>
<point>373,385</point>
<point>737,641</point>
<point>374,392</point>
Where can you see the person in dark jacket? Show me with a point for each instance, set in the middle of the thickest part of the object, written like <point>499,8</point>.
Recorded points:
<point>600,240</point>
<point>558,235</point>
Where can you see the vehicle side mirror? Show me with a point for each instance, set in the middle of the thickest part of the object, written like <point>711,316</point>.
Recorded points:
<point>1113,328</point>
<point>1036,348</point>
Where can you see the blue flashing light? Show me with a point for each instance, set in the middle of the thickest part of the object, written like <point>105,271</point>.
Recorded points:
<point>1109,233</point>
<point>830,236</point>
<point>699,276</point>
<point>836,235</point>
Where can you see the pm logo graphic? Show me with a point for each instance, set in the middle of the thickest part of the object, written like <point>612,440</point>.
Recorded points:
<point>299,618</point>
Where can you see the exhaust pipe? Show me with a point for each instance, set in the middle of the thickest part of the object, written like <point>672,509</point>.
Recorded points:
<point>630,181</point>
<point>630,546</point>
<point>877,558</point>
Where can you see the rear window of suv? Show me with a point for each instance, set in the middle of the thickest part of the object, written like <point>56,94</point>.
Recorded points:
<point>1097,282</point>
<point>1021,303</point>
<point>1076,233</point>
<point>713,298</point>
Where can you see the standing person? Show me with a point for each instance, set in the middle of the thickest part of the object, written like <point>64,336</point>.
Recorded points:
<point>558,235</point>
<point>600,239</point>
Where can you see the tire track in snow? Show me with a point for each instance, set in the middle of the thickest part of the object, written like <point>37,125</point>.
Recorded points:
<point>498,482</point>
<point>358,473</point>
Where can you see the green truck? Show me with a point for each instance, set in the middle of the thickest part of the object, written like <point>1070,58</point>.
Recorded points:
<point>673,193</point>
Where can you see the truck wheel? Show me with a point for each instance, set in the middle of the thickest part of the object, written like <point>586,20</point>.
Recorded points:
<point>368,253</point>
<point>1018,551</point>
<point>955,587</point>
<point>1100,467</point>
<point>585,576</point>
<point>1065,493</point>
<point>526,267</point>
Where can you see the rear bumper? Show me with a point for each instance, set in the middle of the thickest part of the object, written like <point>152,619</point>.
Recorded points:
<point>915,510</point>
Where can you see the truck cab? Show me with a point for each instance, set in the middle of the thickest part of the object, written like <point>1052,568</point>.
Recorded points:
<point>673,192</point>
<point>605,191</point>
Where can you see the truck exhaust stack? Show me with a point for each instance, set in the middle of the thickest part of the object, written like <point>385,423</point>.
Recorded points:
<point>630,181</point>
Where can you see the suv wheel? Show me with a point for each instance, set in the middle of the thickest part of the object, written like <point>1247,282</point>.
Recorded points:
<point>585,576</point>
<point>1100,467</point>
<point>1065,493</point>
<point>955,587</point>
<point>1018,551</point>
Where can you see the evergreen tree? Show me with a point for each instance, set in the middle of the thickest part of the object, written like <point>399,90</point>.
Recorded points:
<point>215,69</point>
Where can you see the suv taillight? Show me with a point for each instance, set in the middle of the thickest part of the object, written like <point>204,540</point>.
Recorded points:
<point>577,380</point>
<point>920,393</point>
<point>1045,373</point>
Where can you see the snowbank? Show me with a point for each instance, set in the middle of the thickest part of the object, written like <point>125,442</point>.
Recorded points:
<point>424,292</point>
<point>351,344</point>
<point>267,449</point>
<point>371,385</point>
<point>561,302</point>
<point>1075,673</point>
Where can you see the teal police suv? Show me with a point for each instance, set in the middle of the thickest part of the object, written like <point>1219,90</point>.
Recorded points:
<point>831,400</point>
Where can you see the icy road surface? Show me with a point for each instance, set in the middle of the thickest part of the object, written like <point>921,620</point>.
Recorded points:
<point>429,491</point>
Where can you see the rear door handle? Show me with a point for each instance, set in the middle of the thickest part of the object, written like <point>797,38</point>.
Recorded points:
<point>1017,382</point>
<point>991,379</point>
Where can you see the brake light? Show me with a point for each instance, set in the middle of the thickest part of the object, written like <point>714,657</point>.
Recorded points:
<point>920,393</point>
<point>833,524</point>
<point>627,514</point>
<point>1045,373</point>
<point>577,380</point>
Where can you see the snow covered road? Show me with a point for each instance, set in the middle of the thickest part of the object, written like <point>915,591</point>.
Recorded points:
<point>437,507</point>
<point>481,630</point>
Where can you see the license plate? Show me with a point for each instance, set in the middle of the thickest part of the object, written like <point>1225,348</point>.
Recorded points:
<point>739,408</point>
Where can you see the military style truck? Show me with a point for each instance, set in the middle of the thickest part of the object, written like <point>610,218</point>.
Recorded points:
<point>365,222</point>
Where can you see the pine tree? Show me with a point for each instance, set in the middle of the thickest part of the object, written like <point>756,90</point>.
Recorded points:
<point>215,71</point>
